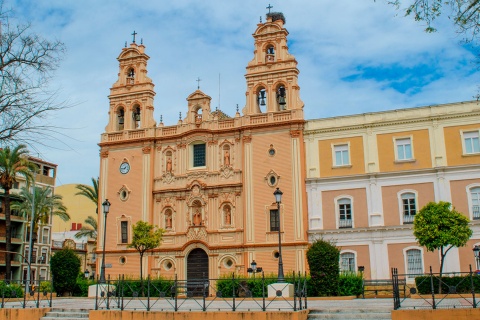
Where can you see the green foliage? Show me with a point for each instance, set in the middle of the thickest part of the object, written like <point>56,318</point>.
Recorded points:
<point>257,285</point>
<point>437,226</point>
<point>46,286</point>
<point>145,237</point>
<point>462,284</point>
<point>127,288</point>
<point>65,267</point>
<point>81,286</point>
<point>465,14</point>
<point>323,260</point>
<point>12,290</point>
<point>350,284</point>
<point>89,192</point>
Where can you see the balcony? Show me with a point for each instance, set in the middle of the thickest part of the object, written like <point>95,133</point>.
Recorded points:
<point>345,223</point>
<point>16,237</point>
<point>14,216</point>
<point>476,212</point>
<point>408,218</point>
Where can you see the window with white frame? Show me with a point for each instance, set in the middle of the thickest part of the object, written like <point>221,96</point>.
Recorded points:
<point>414,261</point>
<point>347,262</point>
<point>475,198</point>
<point>404,148</point>
<point>409,207</point>
<point>344,213</point>
<point>342,157</point>
<point>471,142</point>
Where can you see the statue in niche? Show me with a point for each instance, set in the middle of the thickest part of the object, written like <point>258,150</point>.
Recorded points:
<point>226,158</point>
<point>197,218</point>
<point>169,164</point>
<point>168,221</point>
<point>228,215</point>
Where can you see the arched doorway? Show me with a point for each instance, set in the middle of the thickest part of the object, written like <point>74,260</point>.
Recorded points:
<point>197,271</point>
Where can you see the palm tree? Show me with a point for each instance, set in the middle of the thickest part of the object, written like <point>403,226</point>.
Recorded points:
<point>90,192</point>
<point>90,232</point>
<point>13,163</point>
<point>46,204</point>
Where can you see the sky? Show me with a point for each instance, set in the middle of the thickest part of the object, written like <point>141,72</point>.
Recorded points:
<point>353,56</point>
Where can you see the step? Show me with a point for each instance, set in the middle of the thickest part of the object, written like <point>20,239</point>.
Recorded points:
<point>70,314</point>
<point>351,313</point>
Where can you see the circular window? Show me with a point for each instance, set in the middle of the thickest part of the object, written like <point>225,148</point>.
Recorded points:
<point>228,263</point>
<point>276,254</point>
<point>123,193</point>
<point>168,265</point>
<point>271,151</point>
<point>273,180</point>
<point>122,260</point>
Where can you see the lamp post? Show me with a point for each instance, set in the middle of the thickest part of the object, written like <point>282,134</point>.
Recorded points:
<point>278,200</point>
<point>254,269</point>
<point>106,209</point>
<point>476,253</point>
<point>30,240</point>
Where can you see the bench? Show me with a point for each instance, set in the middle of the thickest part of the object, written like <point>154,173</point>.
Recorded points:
<point>382,287</point>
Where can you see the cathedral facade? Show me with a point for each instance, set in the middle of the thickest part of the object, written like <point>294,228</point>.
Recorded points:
<point>209,180</point>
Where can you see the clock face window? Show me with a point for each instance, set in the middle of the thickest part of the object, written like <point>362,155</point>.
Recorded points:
<point>124,168</point>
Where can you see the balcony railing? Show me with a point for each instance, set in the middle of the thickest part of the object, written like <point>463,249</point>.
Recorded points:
<point>407,219</point>
<point>476,212</point>
<point>345,223</point>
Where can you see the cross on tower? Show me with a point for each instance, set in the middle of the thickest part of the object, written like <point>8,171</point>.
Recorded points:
<point>269,7</point>
<point>198,83</point>
<point>134,34</point>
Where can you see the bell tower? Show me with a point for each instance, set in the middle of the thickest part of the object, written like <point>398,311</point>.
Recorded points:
<point>272,75</point>
<point>131,97</point>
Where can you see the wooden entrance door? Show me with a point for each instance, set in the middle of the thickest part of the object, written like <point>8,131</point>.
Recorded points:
<point>197,272</point>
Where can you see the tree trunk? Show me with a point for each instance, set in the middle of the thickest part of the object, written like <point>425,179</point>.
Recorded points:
<point>8,236</point>
<point>141,274</point>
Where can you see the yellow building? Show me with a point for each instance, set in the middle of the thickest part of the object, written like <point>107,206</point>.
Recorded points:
<point>208,180</point>
<point>368,175</point>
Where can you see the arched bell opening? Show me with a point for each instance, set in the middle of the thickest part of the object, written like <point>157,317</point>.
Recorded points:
<point>281,98</point>
<point>120,118</point>
<point>136,115</point>
<point>131,76</point>
<point>262,99</point>
<point>270,54</point>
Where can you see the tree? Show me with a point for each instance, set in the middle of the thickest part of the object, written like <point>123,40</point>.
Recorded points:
<point>465,14</point>
<point>46,204</point>
<point>27,62</point>
<point>145,237</point>
<point>90,232</point>
<point>323,261</point>
<point>13,163</point>
<point>90,192</point>
<point>65,267</point>
<point>437,226</point>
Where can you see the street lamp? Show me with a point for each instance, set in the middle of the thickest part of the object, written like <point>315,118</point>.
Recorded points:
<point>106,209</point>
<point>254,269</point>
<point>476,253</point>
<point>278,200</point>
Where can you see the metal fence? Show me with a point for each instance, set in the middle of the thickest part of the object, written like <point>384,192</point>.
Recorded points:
<point>15,295</point>
<point>234,293</point>
<point>430,291</point>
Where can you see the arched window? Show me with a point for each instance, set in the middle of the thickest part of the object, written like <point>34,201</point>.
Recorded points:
<point>409,207</point>
<point>347,262</point>
<point>345,213</point>
<point>270,55</point>
<point>131,76</point>
<point>475,199</point>
<point>414,262</point>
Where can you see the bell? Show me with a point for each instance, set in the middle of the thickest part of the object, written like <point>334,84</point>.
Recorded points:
<point>121,120</point>
<point>137,116</point>
<point>281,96</point>
<point>262,98</point>
<point>281,101</point>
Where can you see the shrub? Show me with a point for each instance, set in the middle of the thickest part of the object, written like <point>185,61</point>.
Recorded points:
<point>12,290</point>
<point>81,286</point>
<point>65,267</point>
<point>257,286</point>
<point>462,284</point>
<point>323,260</point>
<point>45,286</point>
<point>350,284</point>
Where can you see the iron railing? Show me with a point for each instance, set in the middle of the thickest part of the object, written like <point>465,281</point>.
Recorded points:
<point>14,294</point>
<point>233,293</point>
<point>430,291</point>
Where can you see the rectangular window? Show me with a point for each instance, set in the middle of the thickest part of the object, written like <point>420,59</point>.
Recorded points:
<point>274,220</point>
<point>45,236</point>
<point>341,155</point>
<point>409,207</point>
<point>404,149</point>
<point>414,262</point>
<point>43,274</point>
<point>347,262</point>
<point>124,231</point>
<point>43,257</point>
<point>345,213</point>
<point>199,155</point>
<point>471,142</point>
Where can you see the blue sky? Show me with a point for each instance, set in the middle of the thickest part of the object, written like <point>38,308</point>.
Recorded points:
<point>353,56</point>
